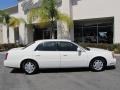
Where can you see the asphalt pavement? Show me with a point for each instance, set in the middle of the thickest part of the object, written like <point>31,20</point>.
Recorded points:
<point>2,56</point>
<point>60,79</point>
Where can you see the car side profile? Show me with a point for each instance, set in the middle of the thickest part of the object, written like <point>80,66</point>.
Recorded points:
<point>58,54</point>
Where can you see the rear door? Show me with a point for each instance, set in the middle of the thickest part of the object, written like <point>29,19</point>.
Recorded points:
<point>47,55</point>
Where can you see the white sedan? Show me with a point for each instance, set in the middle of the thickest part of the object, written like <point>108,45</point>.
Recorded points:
<point>58,54</point>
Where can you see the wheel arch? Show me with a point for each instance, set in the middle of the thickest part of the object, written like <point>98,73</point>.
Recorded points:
<point>25,60</point>
<point>98,57</point>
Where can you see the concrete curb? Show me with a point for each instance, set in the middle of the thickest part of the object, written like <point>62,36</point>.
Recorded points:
<point>117,54</point>
<point>2,52</point>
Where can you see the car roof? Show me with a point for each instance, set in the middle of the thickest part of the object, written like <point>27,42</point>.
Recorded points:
<point>45,40</point>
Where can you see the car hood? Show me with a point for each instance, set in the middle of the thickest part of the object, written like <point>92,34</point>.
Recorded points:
<point>98,49</point>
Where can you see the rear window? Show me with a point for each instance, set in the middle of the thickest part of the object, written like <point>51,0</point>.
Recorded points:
<point>28,45</point>
<point>47,46</point>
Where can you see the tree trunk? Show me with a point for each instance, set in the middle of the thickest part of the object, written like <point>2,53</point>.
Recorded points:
<point>52,30</point>
<point>53,35</point>
<point>8,34</point>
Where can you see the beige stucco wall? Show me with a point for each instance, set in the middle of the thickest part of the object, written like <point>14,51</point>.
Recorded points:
<point>1,34</point>
<point>63,31</point>
<point>88,9</point>
<point>77,10</point>
<point>11,32</point>
<point>22,28</point>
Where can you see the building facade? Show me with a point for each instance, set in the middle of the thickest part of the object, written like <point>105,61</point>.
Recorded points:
<point>95,21</point>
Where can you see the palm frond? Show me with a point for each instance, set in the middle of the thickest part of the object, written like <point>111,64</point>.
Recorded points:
<point>39,15</point>
<point>14,22</point>
<point>23,20</point>
<point>43,23</point>
<point>1,20</point>
<point>47,13</point>
<point>3,13</point>
<point>32,14</point>
<point>4,17</point>
<point>65,18</point>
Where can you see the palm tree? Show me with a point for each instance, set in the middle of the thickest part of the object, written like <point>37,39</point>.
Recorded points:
<point>47,14</point>
<point>9,21</point>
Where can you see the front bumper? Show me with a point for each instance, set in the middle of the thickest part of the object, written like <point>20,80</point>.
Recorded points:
<point>112,62</point>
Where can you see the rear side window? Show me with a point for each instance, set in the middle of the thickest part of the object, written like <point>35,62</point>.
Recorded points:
<point>67,46</point>
<point>47,46</point>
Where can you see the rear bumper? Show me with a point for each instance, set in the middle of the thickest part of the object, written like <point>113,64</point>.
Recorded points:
<point>6,64</point>
<point>11,64</point>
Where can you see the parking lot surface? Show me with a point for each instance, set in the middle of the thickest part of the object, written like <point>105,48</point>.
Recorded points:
<point>60,79</point>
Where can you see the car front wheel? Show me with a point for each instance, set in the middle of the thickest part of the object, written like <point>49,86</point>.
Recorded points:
<point>97,64</point>
<point>30,67</point>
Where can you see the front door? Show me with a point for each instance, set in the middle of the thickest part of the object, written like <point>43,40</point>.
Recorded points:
<point>70,57</point>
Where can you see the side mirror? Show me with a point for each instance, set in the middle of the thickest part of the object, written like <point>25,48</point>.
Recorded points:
<point>79,51</point>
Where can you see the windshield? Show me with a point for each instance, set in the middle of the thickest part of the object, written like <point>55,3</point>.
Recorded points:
<point>87,48</point>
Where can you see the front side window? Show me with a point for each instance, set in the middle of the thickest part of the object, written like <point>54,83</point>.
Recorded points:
<point>67,46</point>
<point>47,46</point>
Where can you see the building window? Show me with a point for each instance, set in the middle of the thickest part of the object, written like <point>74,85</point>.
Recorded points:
<point>94,31</point>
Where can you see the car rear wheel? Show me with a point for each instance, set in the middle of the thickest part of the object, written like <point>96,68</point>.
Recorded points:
<point>97,64</point>
<point>30,67</point>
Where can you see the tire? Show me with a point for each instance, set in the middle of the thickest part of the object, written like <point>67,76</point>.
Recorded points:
<point>98,64</point>
<point>30,67</point>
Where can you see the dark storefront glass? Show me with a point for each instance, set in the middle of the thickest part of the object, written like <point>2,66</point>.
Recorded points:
<point>98,32</point>
<point>78,34</point>
<point>43,33</point>
<point>90,35</point>
<point>105,34</point>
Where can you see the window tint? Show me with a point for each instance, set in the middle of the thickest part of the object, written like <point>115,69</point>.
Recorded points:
<point>47,46</point>
<point>67,46</point>
<point>28,45</point>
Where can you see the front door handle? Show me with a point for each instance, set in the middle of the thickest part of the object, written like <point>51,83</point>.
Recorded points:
<point>65,55</point>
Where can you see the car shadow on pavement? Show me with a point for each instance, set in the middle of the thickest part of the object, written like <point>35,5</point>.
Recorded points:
<point>16,70</point>
<point>64,70</point>
<point>59,70</point>
<point>110,68</point>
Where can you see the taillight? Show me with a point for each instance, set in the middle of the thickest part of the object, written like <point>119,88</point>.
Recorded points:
<point>6,56</point>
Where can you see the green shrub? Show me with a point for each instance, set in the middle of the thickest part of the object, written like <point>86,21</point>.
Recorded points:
<point>6,47</point>
<point>116,48</point>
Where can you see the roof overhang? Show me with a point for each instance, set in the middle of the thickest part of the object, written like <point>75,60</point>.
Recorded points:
<point>12,10</point>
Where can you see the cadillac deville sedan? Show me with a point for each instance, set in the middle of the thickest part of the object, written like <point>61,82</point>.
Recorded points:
<point>58,54</point>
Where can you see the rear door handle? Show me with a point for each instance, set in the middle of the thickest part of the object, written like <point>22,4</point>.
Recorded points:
<point>37,55</point>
